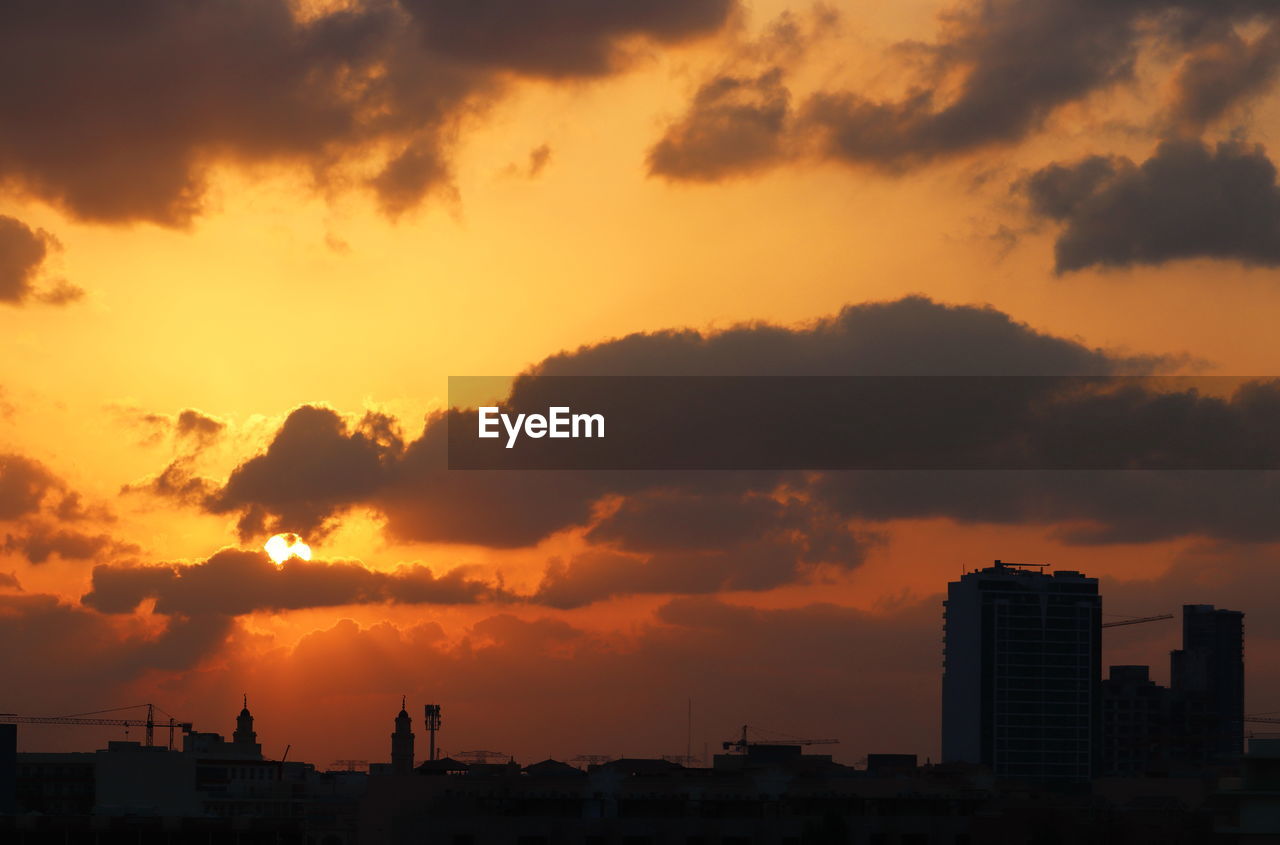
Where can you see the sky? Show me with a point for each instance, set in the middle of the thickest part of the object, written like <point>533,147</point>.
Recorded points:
<point>244,244</point>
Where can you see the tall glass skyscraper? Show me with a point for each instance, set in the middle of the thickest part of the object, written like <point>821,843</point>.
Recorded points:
<point>1022,672</point>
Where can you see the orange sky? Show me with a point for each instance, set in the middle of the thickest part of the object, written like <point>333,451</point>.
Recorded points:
<point>279,293</point>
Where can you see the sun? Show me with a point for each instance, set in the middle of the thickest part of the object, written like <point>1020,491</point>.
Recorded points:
<point>281,547</point>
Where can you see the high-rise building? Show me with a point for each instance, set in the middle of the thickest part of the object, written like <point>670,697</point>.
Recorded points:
<point>1139,737</point>
<point>1207,676</point>
<point>8,768</point>
<point>1022,672</point>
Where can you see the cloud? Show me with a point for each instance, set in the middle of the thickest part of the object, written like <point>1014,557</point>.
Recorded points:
<point>1187,200</point>
<point>318,465</point>
<point>557,38</point>
<point>735,124</point>
<point>996,74</point>
<point>314,467</point>
<point>739,119</point>
<point>539,158</point>
<point>69,653</point>
<point>24,486</point>
<point>39,541</point>
<point>369,92</point>
<point>199,427</point>
<point>23,251</point>
<point>690,543</point>
<point>177,482</point>
<point>1222,73</point>
<point>235,582</point>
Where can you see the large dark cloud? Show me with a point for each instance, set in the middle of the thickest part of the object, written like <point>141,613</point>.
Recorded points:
<point>1187,201</point>
<point>117,113</point>
<point>316,466</point>
<point>700,532</point>
<point>234,582</point>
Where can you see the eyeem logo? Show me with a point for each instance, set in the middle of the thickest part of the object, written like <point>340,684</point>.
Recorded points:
<point>558,423</point>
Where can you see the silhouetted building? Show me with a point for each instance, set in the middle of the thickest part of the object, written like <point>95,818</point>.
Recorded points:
<point>402,744</point>
<point>1137,727</point>
<point>1022,673</point>
<point>8,768</point>
<point>1207,678</point>
<point>1248,807</point>
<point>244,736</point>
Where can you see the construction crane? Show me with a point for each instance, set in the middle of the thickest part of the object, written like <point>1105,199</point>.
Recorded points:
<point>80,719</point>
<point>1137,620</point>
<point>1263,720</point>
<point>744,742</point>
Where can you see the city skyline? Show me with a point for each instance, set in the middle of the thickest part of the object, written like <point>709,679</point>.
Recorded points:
<point>245,244</point>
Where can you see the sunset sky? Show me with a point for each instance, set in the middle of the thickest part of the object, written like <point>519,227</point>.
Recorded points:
<point>244,243</point>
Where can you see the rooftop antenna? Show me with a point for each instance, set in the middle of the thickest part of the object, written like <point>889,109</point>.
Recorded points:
<point>433,725</point>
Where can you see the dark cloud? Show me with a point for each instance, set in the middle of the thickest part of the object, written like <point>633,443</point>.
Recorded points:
<point>734,125</point>
<point>199,427</point>
<point>686,542</point>
<point>23,251</point>
<point>178,482</point>
<point>557,38</point>
<point>739,120</point>
<point>1222,73</point>
<point>1016,60</point>
<point>191,430</point>
<point>539,158</point>
<point>9,581</point>
<point>905,337</point>
<point>24,485</point>
<point>706,531</point>
<point>996,74</point>
<point>315,466</point>
<point>40,541</point>
<point>117,115</point>
<point>64,652</point>
<point>234,582</point>
<point>1187,201</point>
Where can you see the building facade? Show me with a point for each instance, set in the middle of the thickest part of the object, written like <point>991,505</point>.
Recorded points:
<point>1022,673</point>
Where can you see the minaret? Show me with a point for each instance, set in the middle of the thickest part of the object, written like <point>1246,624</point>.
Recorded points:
<point>402,743</point>
<point>244,734</point>
<point>244,740</point>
